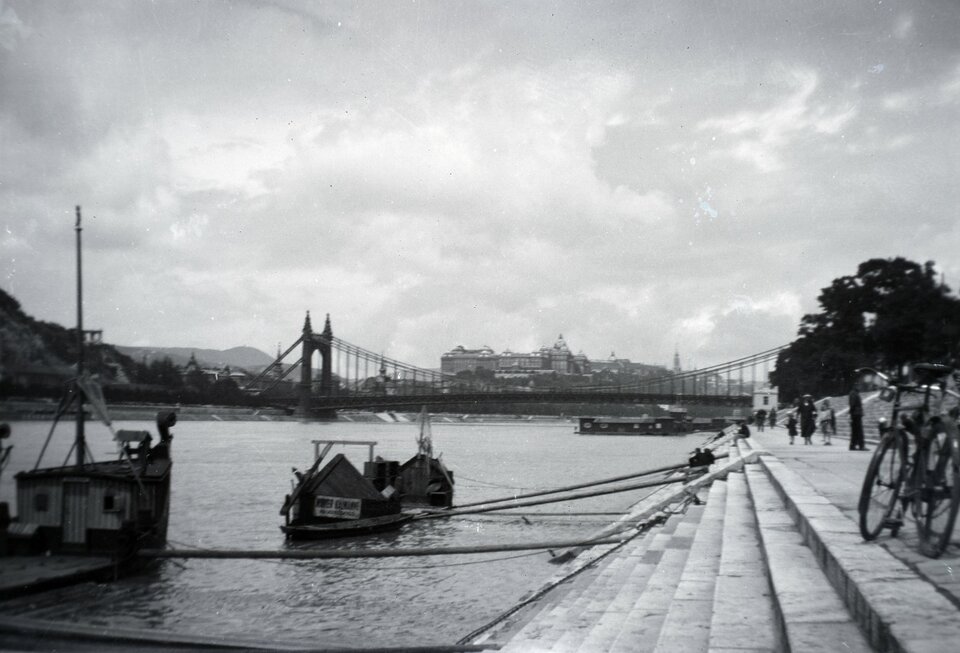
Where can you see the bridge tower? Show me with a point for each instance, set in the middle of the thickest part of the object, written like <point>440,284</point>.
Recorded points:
<point>313,342</point>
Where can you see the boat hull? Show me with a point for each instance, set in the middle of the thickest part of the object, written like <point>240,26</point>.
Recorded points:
<point>346,528</point>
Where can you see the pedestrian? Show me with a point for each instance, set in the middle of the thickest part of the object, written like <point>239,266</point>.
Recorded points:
<point>702,457</point>
<point>761,419</point>
<point>792,425</point>
<point>827,421</point>
<point>773,417</point>
<point>744,430</point>
<point>808,418</point>
<point>856,421</point>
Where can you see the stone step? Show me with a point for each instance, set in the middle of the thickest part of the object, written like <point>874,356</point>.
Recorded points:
<point>743,612</point>
<point>542,631</point>
<point>896,609</point>
<point>686,628</point>
<point>572,621</point>
<point>810,614</point>
<point>644,620</point>
<point>608,620</point>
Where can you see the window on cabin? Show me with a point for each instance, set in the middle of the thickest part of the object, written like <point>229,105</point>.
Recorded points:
<point>41,502</point>
<point>110,503</point>
<point>766,400</point>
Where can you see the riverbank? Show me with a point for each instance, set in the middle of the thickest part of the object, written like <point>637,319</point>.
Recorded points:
<point>44,410</point>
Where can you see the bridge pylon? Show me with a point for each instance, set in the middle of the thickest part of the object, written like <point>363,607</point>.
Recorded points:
<point>315,342</point>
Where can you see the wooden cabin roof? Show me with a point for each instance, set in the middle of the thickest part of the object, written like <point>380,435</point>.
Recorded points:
<point>339,478</point>
<point>436,465</point>
<point>115,469</point>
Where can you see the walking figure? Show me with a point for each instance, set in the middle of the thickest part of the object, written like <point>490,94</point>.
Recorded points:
<point>808,418</point>
<point>828,421</point>
<point>792,426</point>
<point>773,417</point>
<point>856,421</point>
<point>761,419</point>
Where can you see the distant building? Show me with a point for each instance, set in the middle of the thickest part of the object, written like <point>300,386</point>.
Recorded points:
<point>765,397</point>
<point>460,359</point>
<point>545,360</point>
<point>557,358</point>
<point>212,374</point>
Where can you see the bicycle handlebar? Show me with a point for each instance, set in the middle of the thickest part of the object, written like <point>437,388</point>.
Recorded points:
<point>940,371</point>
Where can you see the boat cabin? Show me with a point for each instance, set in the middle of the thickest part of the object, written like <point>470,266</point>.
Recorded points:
<point>425,481</point>
<point>103,507</point>
<point>337,492</point>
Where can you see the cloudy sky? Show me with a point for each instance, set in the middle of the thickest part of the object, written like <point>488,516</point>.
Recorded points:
<point>638,176</point>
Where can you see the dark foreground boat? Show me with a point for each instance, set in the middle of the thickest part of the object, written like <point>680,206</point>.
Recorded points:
<point>111,507</point>
<point>337,500</point>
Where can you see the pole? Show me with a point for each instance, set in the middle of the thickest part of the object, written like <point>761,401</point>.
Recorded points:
<point>81,443</point>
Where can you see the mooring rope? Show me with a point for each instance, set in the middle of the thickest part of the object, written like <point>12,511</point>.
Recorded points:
<point>309,554</point>
<point>570,497</point>
<point>578,486</point>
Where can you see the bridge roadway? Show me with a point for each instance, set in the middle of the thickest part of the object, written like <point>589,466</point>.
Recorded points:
<point>319,403</point>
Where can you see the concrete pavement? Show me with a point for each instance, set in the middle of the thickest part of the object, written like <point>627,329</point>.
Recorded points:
<point>775,563</point>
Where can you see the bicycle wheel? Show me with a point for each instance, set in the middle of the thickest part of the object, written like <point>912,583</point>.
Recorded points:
<point>881,485</point>
<point>937,478</point>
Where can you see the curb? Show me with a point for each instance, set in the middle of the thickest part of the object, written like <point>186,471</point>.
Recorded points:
<point>896,610</point>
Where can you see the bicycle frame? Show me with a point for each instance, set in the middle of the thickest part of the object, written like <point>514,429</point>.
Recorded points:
<point>915,438</point>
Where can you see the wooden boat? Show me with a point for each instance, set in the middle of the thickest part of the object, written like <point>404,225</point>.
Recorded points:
<point>337,500</point>
<point>629,426</point>
<point>347,528</point>
<point>424,480</point>
<point>109,507</point>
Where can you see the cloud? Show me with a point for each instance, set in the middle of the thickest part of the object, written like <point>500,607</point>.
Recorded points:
<point>761,137</point>
<point>12,29</point>
<point>498,178</point>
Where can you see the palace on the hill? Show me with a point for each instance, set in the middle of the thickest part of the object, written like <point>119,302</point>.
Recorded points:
<point>546,360</point>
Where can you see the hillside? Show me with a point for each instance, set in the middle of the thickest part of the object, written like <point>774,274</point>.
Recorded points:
<point>37,353</point>
<point>248,358</point>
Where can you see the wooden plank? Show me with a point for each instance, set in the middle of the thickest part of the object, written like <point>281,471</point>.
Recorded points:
<point>27,574</point>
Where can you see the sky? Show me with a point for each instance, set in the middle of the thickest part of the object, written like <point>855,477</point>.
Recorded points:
<point>643,177</point>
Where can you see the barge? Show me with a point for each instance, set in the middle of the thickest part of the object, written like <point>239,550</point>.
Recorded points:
<point>631,426</point>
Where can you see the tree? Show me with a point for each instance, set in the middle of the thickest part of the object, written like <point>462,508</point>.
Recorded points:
<point>892,312</point>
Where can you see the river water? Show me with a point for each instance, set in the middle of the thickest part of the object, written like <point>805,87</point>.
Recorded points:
<point>229,480</point>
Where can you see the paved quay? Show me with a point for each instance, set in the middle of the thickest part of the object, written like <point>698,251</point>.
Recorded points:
<point>769,558</point>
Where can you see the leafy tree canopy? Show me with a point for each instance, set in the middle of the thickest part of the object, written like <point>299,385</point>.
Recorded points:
<point>892,312</point>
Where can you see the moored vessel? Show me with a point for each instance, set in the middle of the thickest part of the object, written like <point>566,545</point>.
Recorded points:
<point>111,507</point>
<point>424,481</point>
<point>336,500</point>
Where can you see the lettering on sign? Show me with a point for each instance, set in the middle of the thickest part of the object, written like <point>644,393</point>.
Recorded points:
<point>337,507</point>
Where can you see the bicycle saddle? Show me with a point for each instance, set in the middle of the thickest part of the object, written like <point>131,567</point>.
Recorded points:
<point>928,372</point>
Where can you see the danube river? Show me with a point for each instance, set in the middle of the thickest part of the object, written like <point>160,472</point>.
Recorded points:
<point>229,481</point>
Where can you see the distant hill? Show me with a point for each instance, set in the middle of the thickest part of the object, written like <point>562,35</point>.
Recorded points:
<point>37,353</point>
<point>248,358</point>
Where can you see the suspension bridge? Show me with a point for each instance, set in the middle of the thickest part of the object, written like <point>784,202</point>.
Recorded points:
<point>351,377</point>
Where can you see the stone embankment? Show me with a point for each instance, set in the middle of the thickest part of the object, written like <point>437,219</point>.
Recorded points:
<point>771,560</point>
<point>39,409</point>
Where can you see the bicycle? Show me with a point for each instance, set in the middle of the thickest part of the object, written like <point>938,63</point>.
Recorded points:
<point>916,466</point>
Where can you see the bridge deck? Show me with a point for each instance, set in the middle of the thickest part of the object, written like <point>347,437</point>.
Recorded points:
<point>555,397</point>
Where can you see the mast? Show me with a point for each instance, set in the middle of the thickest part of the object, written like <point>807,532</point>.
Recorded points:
<point>81,444</point>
